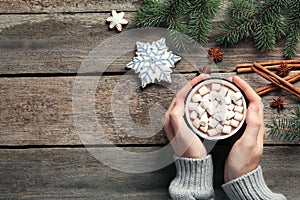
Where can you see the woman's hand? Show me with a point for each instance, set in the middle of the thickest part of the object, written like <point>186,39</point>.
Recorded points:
<point>246,153</point>
<point>184,142</point>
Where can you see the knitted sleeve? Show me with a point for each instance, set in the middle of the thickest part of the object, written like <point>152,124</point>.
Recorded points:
<point>193,179</point>
<point>251,186</point>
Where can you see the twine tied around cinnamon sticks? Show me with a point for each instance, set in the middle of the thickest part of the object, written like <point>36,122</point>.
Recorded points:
<point>264,70</point>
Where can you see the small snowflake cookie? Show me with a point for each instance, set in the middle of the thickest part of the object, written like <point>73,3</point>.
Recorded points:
<point>116,20</point>
<point>153,62</point>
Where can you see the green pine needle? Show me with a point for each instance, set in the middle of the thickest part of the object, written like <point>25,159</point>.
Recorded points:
<point>190,17</point>
<point>263,22</point>
<point>293,29</point>
<point>241,8</point>
<point>286,129</point>
<point>264,37</point>
<point>151,14</point>
<point>292,42</point>
<point>236,30</point>
<point>200,17</point>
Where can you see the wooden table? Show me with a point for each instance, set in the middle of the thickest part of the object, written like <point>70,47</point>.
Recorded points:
<point>42,46</point>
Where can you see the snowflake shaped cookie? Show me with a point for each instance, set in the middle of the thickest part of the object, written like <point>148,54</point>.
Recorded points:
<point>153,62</point>
<point>116,20</point>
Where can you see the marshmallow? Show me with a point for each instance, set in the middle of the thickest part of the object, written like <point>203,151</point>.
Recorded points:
<point>215,103</point>
<point>204,119</point>
<point>238,116</point>
<point>226,129</point>
<point>230,93</point>
<point>226,122</point>
<point>212,132</point>
<point>213,122</point>
<point>192,106</point>
<point>197,98</point>
<point>199,110</point>
<point>211,109</point>
<point>204,128</point>
<point>223,91</point>
<point>219,128</point>
<point>203,90</point>
<point>220,98</point>
<point>229,114</point>
<point>239,102</point>
<point>206,97</point>
<point>213,95</point>
<point>234,123</point>
<point>227,100</point>
<point>196,122</point>
<point>215,87</point>
<point>204,103</point>
<point>230,107</point>
<point>193,115</point>
<point>236,96</point>
<point>238,109</point>
<point>220,116</point>
<point>221,108</point>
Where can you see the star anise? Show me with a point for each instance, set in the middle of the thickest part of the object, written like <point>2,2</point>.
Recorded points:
<point>278,103</point>
<point>215,54</point>
<point>284,69</point>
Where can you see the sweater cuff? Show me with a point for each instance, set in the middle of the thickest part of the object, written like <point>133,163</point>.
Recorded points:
<point>250,186</point>
<point>193,178</point>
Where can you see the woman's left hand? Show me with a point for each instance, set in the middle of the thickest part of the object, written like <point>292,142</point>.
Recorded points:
<point>183,141</point>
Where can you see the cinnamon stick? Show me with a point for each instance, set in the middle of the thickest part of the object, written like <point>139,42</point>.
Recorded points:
<point>269,67</point>
<point>277,62</point>
<point>271,87</point>
<point>276,80</point>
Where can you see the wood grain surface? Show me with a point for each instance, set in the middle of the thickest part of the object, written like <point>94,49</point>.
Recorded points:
<point>59,43</point>
<point>40,110</point>
<point>52,104</point>
<point>56,6</point>
<point>75,174</point>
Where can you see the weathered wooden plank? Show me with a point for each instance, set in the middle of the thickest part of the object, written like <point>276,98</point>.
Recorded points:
<point>39,6</point>
<point>22,25</point>
<point>54,6</point>
<point>62,173</point>
<point>42,110</point>
<point>59,43</point>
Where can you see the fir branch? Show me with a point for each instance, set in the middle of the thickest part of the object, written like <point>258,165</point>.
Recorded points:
<point>264,37</point>
<point>270,14</point>
<point>241,8</point>
<point>293,29</point>
<point>236,30</point>
<point>152,13</point>
<point>201,14</point>
<point>240,25</point>
<point>202,30</point>
<point>286,129</point>
<point>175,23</point>
<point>263,21</point>
<point>191,17</point>
<point>292,42</point>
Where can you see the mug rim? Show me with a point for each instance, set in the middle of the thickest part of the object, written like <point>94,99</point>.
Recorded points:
<point>188,99</point>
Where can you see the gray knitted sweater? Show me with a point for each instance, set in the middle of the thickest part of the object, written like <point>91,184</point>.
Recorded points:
<point>194,181</point>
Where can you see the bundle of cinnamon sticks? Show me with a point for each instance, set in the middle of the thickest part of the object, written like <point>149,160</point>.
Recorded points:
<point>264,70</point>
<point>274,65</point>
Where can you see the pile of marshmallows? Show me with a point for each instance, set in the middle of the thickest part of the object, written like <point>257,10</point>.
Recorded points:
<point>215,109</point>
